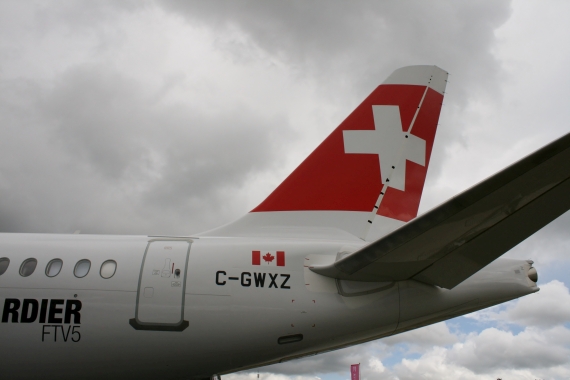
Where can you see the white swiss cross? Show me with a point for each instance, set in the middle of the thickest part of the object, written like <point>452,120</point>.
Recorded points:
<point>389,143</point>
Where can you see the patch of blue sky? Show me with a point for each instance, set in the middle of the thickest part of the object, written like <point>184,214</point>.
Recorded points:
<point>462,326</point>
<point>483,319</point>
<point>558,270</point>
<point>465,325</point>
<point>413,355</point>
<point>397,352</point>
<point>400,351</point>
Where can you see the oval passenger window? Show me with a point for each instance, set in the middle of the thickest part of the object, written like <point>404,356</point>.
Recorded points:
<point>28,267</point>
<point>4,262</point>
<point>54,267</point>
<point>108,269</point>
<point>82,268</point>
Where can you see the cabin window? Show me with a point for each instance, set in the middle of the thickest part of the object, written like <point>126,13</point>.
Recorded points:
<point>108,269</point>
<point>4,262</point>
<point>54,267</point>
<point>82,268</point>
<point>28,267</point>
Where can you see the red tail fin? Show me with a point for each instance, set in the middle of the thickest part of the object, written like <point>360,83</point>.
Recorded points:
<point>373,165</point>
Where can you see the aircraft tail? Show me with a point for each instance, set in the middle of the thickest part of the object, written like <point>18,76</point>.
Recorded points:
<point>366,178</point>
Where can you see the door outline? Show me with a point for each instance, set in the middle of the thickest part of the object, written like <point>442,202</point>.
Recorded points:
<point>182,324</point>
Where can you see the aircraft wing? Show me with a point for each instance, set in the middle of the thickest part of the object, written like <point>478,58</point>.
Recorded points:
<point>450,243</point>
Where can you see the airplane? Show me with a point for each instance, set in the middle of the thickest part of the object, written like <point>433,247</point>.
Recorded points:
<point>335,256</point>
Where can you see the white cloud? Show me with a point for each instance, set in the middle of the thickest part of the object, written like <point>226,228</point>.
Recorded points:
<point>266,376</point>
<point>493,348</point>
<point>338,361</point>
<point>494,354</point>
<point>376,365</point>
<point>419,339</point>
<point>549,307</point>
<point>432,365</point>
<point>435,365</point>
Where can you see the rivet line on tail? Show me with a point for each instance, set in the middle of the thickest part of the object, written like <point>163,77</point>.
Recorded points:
<point>374,211</point>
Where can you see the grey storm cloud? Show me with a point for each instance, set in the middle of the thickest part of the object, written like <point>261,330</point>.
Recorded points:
<point>105,153</point>
<point>110,123</point>
<point>363,41</point>
<point>352,46</point>
<point>107,136</point>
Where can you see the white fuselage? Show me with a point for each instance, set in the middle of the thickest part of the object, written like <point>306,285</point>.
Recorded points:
<point>218,313</point>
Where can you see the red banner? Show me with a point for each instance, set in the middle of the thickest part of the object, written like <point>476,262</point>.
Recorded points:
<point>355,372</point>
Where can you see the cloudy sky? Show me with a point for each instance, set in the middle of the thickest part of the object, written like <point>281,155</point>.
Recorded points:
<point>173,117</point>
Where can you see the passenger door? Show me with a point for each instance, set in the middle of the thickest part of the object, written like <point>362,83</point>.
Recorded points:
<point>162,284</point>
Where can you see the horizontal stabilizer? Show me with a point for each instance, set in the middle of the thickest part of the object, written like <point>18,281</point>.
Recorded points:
<point>458,238</point>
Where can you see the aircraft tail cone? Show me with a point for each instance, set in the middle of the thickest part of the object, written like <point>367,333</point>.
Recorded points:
<point>533,274</point>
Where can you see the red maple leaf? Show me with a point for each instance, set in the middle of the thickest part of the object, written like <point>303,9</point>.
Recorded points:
<point>268,257</point>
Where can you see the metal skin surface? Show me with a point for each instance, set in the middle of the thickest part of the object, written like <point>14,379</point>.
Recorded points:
<point>231,326</point>
<point>244,295</point>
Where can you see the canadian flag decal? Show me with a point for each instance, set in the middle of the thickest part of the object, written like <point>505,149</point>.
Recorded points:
<point>268,258</point>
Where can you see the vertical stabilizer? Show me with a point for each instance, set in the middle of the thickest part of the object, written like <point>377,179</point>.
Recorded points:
<point>367,177</point>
